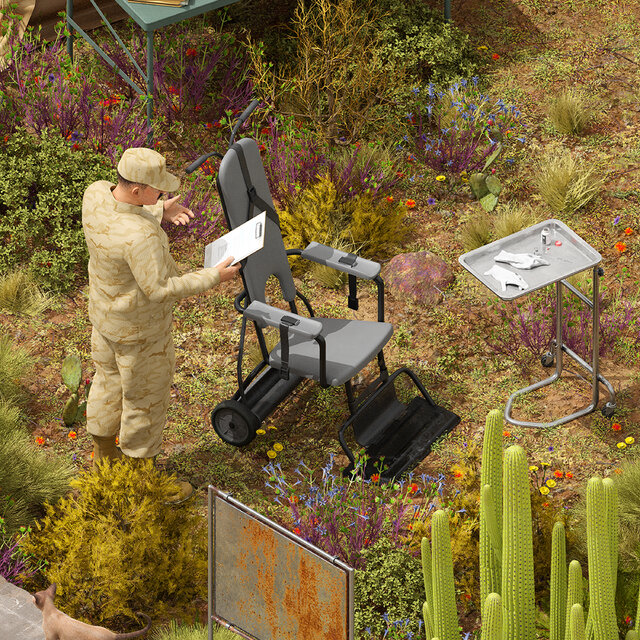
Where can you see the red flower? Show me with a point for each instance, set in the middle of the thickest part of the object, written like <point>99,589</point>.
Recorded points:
<point>297,531</point>
<point>75,146</point>
<point>568,474</point>
<point>495,56</point>
<point>375,477</point>
<point>217,125</point>
<point>400,174</point>
<point>197,107</point>
<point>265,131</point>
<point>621,246</point>
<point>72,435</point>
<point>545,504</point>
<point>628,231</point>
<point>39,440</point>
<point>262,147</point>
<point>410,204</point>
<point>489,122</point>
<point>506,434</point>
<point>616,426</point>
<point>389,198</point>
<point>457,474</point>
<point>413,487</point>
<point>558,474</point>
<point>191,52</point>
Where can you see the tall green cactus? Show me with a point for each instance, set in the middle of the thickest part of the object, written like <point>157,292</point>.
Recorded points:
<point>601,597</point>
<point>611,505</point>
<point>427,608</point>
<point>518,596</point>
<point>558,605</point>
<point>575,593</point>
<point>445,614</point>
<point>491,474</point>
<point>492,618</point>
<point>576,623</point>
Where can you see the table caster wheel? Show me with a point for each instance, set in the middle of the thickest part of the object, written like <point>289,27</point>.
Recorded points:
<point>547,359</point>
<point>608,410</point>
<point>235,423</point>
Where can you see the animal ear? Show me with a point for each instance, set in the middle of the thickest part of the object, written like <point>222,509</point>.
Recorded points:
<point>38,599</point>
<point>53,586</point>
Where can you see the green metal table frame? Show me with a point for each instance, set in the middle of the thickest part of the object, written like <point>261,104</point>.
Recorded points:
<point>149,17</point>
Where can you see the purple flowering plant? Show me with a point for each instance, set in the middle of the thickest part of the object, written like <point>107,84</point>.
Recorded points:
<point>457,129</point>
<point>14,565</point>
<point>343,516</point>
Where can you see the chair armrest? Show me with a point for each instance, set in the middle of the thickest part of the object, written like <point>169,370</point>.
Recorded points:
<point>265,314</point>
<point>341,260</point>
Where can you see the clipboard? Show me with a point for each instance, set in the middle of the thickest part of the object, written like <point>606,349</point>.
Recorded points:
<point>239,243</point>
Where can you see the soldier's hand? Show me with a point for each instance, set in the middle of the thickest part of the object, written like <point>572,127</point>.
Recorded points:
<point>226,271</point>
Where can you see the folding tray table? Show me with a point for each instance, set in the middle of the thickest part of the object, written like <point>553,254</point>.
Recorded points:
<point>572,255</point>
<point>149,17</point>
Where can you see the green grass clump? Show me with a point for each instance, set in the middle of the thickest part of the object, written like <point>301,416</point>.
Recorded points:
<point>114,547</point>
<point>175,631</point>
<point>570,112</point>
<point>19,293</point>
<point>567,184</point>
<point>15,364</point>
<point>476,232</point>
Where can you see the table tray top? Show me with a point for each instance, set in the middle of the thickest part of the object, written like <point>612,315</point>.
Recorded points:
<point>571,257</point>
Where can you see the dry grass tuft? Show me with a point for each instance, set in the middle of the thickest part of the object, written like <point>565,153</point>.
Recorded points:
<point>513,217</point>
<point>20,294</point>
<point>570,112</point>
<point>476,232</point>
<point>566,184</point>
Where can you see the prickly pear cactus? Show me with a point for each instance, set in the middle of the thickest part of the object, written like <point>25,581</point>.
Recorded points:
<point>70,412</point>
<point>72,372</point>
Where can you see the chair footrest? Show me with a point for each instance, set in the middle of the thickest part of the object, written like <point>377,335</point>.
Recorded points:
<point>407,439</point>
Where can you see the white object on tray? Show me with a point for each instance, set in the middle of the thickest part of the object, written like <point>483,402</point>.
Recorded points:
<point>505,277</point>
<point>239,243</point>
<point>520,260</point>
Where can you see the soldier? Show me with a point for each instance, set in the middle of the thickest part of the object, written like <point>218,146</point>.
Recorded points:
<point>133,283</point>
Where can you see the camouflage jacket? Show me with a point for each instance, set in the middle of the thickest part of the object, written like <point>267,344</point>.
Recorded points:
<point>133,280</point>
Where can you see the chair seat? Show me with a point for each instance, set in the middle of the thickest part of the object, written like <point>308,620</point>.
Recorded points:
<point>351,345</point>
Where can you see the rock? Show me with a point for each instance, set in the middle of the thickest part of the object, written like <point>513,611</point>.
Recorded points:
<point>422,276</point>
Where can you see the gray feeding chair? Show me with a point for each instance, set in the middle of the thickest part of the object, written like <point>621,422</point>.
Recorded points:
<point>331,351</point>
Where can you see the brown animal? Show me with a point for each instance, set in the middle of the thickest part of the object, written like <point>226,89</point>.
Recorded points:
<point>59,626</point>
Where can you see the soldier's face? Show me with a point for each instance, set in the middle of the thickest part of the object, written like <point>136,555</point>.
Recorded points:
<point>147,194</point>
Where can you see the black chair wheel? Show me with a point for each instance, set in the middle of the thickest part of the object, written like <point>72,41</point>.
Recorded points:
<point>547,359</point>
<point>235,423</point>
<point>608,410</point>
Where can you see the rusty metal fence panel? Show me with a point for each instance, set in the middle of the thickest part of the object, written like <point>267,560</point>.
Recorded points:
<point>266,583</point>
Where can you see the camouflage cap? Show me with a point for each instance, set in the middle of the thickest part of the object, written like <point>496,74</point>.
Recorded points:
<point>147,166</point>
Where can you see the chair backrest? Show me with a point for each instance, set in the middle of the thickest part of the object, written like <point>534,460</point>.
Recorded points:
<point>272,258</point>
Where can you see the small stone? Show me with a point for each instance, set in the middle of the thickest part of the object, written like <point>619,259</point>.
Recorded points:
<point>422,276</point>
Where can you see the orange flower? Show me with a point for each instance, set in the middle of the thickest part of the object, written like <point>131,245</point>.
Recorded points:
<point>39,440</point>
<point>413,487</point>
<point>495,56</point>
<point>91,455</point>
<point>558,474</point>
<point>375,477</point>
<point>117,440</point>
<point>628,231</point>
<point>545,504</point>
<point>506,434</point>
<point>616,426</point>
<point>297,531</point>
<point>72,435</point>
<point>457,474</point>
<point>410,204</point>
<point>618,470</point>
<point>389,198</point>
<point>568,474</point>
<point>621,246</point>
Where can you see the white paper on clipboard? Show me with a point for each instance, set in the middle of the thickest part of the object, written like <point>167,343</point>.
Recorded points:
<point>239,243</point>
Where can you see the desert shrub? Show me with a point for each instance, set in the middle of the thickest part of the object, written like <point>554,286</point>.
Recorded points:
<point>42,183</point>
<point>570,112</point>
<point>391,585</point>
<point>20,294</point>
<point>375,225</point>
<point>567,184</point>
<point>29,477</point>
<point>511,218</point>
<point>15,364</point>
<point>338,81</point>
<point>476,232</point>
<point>416,36</point>
<point>115,547</point>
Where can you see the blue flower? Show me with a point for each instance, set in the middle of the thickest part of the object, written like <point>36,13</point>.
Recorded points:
<point>51,77</point>
<point>550,448</point>
<point>415,91</point>
<point>431,201</point>
<point>475,80</point>
<point>616,220</point>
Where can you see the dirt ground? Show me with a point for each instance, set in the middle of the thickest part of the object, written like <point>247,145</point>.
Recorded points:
<point>543,47</point>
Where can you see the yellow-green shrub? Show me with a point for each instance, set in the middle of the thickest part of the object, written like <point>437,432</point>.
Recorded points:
<point>114,547</point>
<point>372,225</point>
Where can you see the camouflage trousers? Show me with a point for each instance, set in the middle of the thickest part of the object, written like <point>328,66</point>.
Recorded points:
<point>130,392</point>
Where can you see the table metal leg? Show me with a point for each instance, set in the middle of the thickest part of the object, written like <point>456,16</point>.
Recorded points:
<point>149,86</point>
<point>560,347</point>
<point>70,36</point>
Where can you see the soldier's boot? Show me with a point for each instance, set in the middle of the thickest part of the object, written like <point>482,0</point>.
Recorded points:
<point>184,489</point>
<point>105,447</point>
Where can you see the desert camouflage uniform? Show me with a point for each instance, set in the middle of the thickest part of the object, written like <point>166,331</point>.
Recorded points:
<point>133,283</point>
